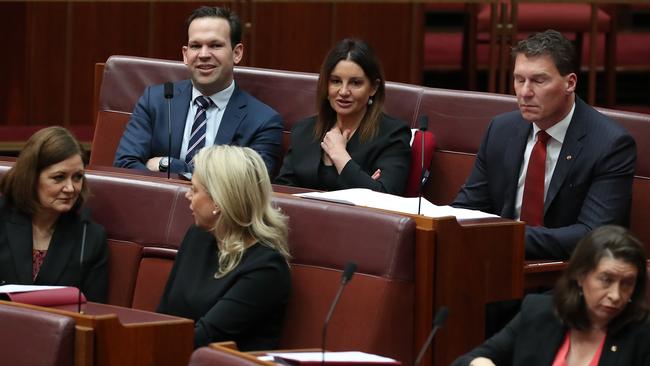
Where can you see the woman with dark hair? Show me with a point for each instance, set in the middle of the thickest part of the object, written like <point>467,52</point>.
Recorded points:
<point>597,315</point>
<point>40,228</point>
<point>351,143</point>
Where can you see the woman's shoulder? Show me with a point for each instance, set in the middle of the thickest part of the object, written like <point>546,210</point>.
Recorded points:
<point>262,250</point>
<point>389,123</point>
<point>75,218</point>
<point>535,305</point>
<point>97,228</point>
<point>260,255</point>
<point>196,236</point>
<point>307,124</point>
<point>639,329</point>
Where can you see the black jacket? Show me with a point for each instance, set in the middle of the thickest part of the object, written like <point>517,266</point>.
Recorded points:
<point>535,335</point>
<point>389,151</point>
<point>61,264</point>
<point>246,306</point>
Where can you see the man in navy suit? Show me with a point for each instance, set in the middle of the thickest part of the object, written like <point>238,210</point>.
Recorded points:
<point>208,109</point>
<point>588,167</point>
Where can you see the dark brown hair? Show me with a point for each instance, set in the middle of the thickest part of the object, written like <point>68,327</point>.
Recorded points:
<point>217,12</point>
<point>551,43</point>
<point>360,53</point>
<point>46,147</point>
<point>608,241</point>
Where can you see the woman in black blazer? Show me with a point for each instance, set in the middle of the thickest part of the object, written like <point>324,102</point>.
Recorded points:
<point>40,228</point>
<point>597,315</point>
<point>231,273</point>
<point>351,143</point>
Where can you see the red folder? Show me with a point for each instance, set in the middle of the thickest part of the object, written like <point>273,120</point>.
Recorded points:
<point>51,297</point>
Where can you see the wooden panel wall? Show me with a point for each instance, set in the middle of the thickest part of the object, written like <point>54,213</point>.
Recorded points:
<point>46,74</point>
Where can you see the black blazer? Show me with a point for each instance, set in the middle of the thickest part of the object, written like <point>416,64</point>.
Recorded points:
<point>61,264</point>
<point>389,151</point>
<point>535,335</point>
<point>246,306</point>
<point>591,184</point>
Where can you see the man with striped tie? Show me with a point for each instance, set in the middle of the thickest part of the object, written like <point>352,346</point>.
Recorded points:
<point>208,109</point>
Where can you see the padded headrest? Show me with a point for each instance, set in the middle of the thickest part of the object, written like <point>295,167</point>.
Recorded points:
<point>292,94</point>
<point>32,337</point>
<point>151,212</point>
<point>459,119</point>
<point>329,235</point>
<point>638,125</point>
<point>126,77</point>
<point>206,356</point>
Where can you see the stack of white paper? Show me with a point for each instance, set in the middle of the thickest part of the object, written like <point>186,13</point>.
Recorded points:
<point>368,198</point>
<point>351,357</point>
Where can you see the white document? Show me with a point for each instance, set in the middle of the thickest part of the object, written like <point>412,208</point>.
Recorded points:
<point>352,356</point>
<point>8,289</point>
<point>369,198</point>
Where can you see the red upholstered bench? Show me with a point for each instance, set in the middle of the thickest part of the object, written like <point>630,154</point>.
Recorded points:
<point>146,218</point>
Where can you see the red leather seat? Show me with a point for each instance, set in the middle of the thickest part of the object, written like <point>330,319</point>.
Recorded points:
<point>208,356</point>
<point>35,338</point>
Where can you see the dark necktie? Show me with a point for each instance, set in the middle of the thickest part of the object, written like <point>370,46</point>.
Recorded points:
<point>532,204</point>
<point>199,127</point>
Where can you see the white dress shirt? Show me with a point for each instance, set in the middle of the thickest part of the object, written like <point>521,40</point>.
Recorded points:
<point>213,116</point>
<point>553,147</point>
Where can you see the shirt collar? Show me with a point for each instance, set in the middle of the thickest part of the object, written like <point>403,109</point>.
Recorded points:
<point>220,98</point>
<point>558,130</point>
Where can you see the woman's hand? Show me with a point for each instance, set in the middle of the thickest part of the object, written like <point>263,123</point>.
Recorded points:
<point>333,145</point>
<point>481,361</point>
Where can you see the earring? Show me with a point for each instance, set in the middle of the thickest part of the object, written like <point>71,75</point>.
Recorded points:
<point>214,212</point>
<point>369,101</point>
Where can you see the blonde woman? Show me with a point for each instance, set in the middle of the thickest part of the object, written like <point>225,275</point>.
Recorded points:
<point>231,273</point>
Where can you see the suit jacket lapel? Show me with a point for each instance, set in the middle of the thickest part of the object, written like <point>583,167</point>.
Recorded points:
<point>66,234</point>
<point>514,155</point>
<point>180,109</point>
<point>19,233</point>
<point>612,349</point>
<point>312,161</point>
<point>553,338</point>
<point>570,151</point>
<point>232,117</point>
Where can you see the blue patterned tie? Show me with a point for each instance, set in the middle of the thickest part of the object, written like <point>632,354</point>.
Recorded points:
<point>199,127</point>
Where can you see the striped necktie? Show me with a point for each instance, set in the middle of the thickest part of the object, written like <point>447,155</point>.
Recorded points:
<point>199,127</point>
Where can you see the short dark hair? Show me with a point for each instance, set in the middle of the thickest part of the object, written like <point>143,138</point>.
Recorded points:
<point>609,241</point>
<point>217,12</point>
<point>360,53</point>
<point>46,147</point>
<point>551,43</point>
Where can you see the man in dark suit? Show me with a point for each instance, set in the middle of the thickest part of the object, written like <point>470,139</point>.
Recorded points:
<point>557,163</point>
<point>208,109</point>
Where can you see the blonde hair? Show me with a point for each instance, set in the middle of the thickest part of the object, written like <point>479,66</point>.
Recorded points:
<point>237,181</point>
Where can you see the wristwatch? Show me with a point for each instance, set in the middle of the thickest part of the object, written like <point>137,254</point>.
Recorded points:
<point>163,165</point>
